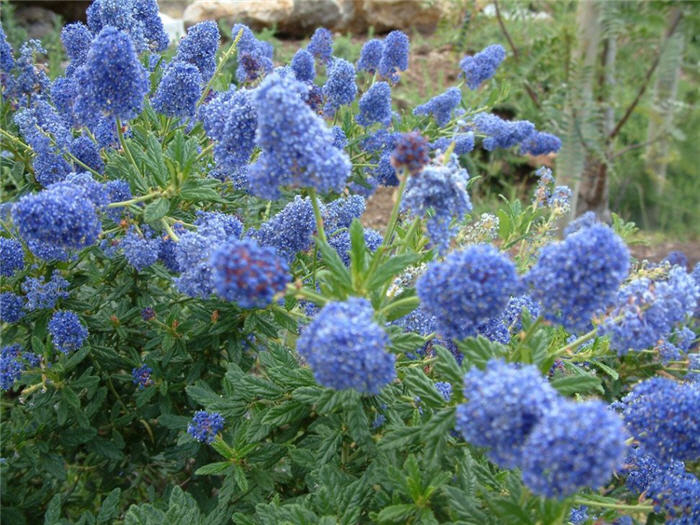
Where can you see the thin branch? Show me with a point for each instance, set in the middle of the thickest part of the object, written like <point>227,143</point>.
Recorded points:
<point>672,29</point>
<point>530,92</point>
<point>637,145</point>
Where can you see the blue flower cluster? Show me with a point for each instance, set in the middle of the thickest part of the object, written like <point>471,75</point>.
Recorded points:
<point>502,133</point>
<point>321,45</point>
<point>231,120</point>
<point>141,248</point>
<point>340,87</point>
<point>247,273</point>
<point>345,348</point>
<point>138,18</point>
<point>61,217</point>
<point>504,403</point>
<point>12,363</point>
<point>205,426</point>
<point>370,56</point>
<point>11,257</point>
<point>11,307</point>
<point>575,445</point>
<point>297,147</point>
<point>579,276</point>
<point>663,415</point>
<point>199,48</point>
<point>141,376</point>
<point>375,105</point>
<point>254,56</point>
<point>193,250</point>
<point>394,56</point>
<point>67,332</point>
<point>303,66</point>
<point>464,143</point>
<point>112,80</point>
<point>289,231</point>
<point>411,153</point>
<point>41,294</point>
<point>467,289</point>
<point>341,243</point>
<point>87,152</point>
<point>483,65</point>
<point>540,143</point>
<point>339,214</point>
<point>178,91</point>
<point>646,311</point>
<point>441,106</point>
<point>509,321</point>
<point>442,192</point>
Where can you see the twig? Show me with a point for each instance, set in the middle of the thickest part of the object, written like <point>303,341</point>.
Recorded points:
<point>516,54</point>
<point>672,29</point>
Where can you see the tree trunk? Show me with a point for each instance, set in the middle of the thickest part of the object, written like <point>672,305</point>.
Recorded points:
<point>571,162</point>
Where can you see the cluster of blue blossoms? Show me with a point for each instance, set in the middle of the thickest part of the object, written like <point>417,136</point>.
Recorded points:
<point>561,446</point>
<point>205,426</point>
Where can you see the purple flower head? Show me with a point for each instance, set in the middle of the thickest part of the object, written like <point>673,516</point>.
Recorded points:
<point>11,307</point>
<point>140,249</point>
<point>441,106</point>
<point>87,152</point>
<point>117,191</point>
<point>50,167</point>
<point>141,376</point>
<point>483,65</point>
<point>321,45</point>
<point>371,55</point>
<point>646,312</point>
<point>340,88</point>
<point>340,213</point>
<point>540,144</point>
<point>7,60</point>
<point>254,56</point>
<point>346,348</point>
<point>504,404</point>
<point>205,426</point>
<point>67,332</point>
<point>60,216</point>
<point>199,48</point>
<point>76,40</point>
<point>375,105</point>
<point>303,66</point>
<point>394,56</point>
<point>95,191</point>
<point>574,445</point>
<point>41,294</point>
<point>112,80</point>
<point>231,120</point>
<point>677,258</point>
<point>178,91</point>
<point>148,314</point>
<point>11,256</point>
<point>248,274</point>
<point>138,18</point>
<point>502,133</point>
<point>289,231</point>
<point>411,153</point>
<point>663,416</point>
<point>579,276</point>
<point>464,143</point>
<point>297,147</point>
<point>11,366</point>
<point>467,289</point>
<point>440,194</point>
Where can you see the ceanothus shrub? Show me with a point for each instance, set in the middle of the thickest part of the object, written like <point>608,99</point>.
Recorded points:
<point>196,324</point>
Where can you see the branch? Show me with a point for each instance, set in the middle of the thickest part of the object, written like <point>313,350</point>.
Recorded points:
<point>530,92</point>
<point>672,29</point>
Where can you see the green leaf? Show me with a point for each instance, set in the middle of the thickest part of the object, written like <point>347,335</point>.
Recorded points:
<point>441,422</point>
<point>394,513</point>
<point>156,210</point>
<point>239,477</point>
<point>144,515</point>
<point>155,164</point>
<point>358,250</point>
<point>53,512</point>
<point>419,385</point>
<point>335,266</point>
<point>399,437</point>
<point>577,384</point>
<point>110,507</point>
<point>200,190</point>
<point>285,413</point>
<point>390,269</point>
<point>446,366</point>
<point>477,351</point>
<point>214,468</point>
